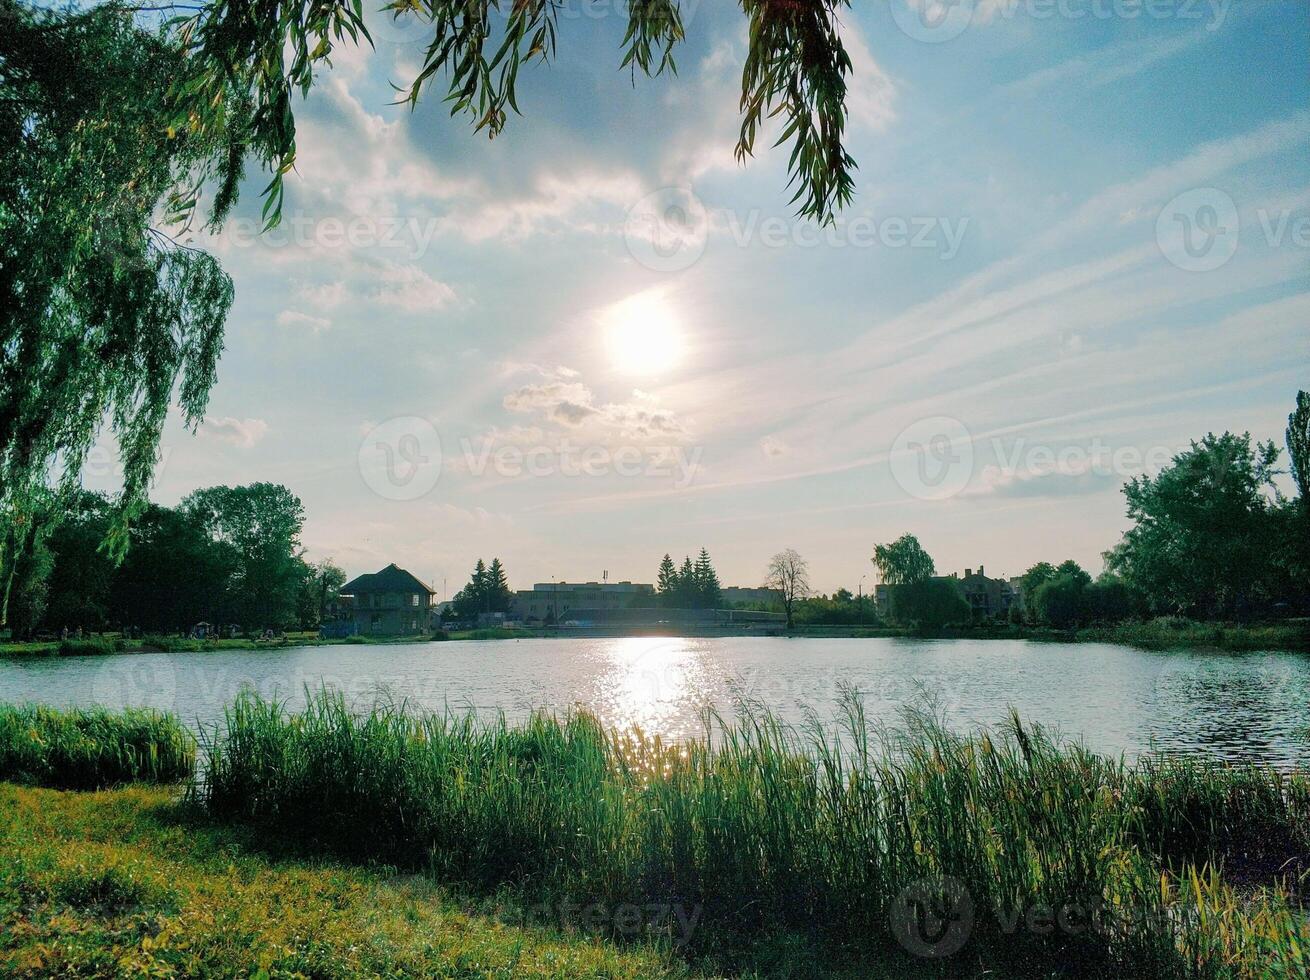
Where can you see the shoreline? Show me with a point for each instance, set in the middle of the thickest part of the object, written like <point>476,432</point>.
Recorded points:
<point>1290,636</point>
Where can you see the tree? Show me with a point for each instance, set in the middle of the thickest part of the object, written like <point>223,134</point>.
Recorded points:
<point>105,315</point>
<point>1039,574</point>
<point>929,604</point>
<point>1298,446</point>
<point>709,594</point>
<point>487,592</point>
<point>1058,602</point>
<point>498,598</point>
<point>83,573</point>
<point>261,522</point>
<point>686,585</point>
<point>903,562</point>
<point>666,586</point>
<point>320,587</point>
<point>1202,535</point>
<point>788,575</point>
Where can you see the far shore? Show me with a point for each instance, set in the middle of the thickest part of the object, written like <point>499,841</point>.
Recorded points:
<point>1153,635</point>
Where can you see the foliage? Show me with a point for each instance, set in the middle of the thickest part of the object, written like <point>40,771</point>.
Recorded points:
<point>929,605</point>
<point>796,68</point>
<point>320,585</point>
<point>86,748</point>
<point>82,574</point>
<point>1298,445</point>
<point>1201,541</point>
<point>767,828</point>
<point>842,609</point>
<point>124,884</point>
<point>693,586</point>
<point>788,574</point>
<point>903,562</point>
<point>105,315</point>
<point>487,592</point>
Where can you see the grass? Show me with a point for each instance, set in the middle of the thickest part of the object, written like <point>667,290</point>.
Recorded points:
<point>1167,633</point>
<point>121,883</point>
<point>1186,870</point>
<point>87,748</point>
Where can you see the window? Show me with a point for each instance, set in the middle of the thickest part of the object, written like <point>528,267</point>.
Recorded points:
<point>413,601</point>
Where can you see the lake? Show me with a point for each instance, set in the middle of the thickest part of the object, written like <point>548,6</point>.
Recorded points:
<point>1247,706</point>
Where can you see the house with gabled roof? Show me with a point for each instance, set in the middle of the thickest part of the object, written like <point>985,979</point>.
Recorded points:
<point>392,602</point>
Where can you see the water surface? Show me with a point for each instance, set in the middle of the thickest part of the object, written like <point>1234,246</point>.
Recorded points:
<point>1253,706</point>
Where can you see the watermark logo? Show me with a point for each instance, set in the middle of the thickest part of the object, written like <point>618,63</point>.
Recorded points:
<point>933,21</point>
<point>401,458</point>
<point>147,680</point>
<point>932,459</point>
<point>932,918</point>
<point>668,230</point>
<point>1198,230</point>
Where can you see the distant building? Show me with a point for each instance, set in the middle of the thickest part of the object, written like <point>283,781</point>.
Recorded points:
<point>734,595</point>
<point>391,602</point>
<point>556,601</point>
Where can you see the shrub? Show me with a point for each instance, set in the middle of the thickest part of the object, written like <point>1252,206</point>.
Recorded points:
<point>89,748</point>
<point>91,647</point>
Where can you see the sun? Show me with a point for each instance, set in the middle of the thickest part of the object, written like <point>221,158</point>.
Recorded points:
<point>643,334</point>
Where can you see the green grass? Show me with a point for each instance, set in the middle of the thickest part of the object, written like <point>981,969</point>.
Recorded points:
<point>1173,632</point>
<point>87,748</point>
<point>122,884</point>
<point>771,832</point>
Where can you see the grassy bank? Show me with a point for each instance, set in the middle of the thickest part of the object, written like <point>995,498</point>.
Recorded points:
<point>1064,861</point>
<point>87,748</point>
<point>121,883</point>
<point>1172,633</point>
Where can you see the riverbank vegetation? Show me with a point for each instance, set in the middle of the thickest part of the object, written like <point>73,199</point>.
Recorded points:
<point>87,748</point>
<point>1057,859</point>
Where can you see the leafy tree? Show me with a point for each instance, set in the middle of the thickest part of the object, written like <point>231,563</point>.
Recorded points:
<point>105,314</point>
<point>1298,446</point>
<point>903,562</point>
<point>174,574</point>
<point>320,586</point>
<point>83,573</point>
<point>1201,539</point>
<point>261,522</point>
<point>1058,602</point>
<point>929,604</point>
<point>30,585</point>
<point>788,574</point>
<point>1109,600</point>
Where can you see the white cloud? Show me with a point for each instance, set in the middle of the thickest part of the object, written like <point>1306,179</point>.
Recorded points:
<point>411,289</point>
<point>242,433</point>
<point>294,318</point>
<point>572,405</point>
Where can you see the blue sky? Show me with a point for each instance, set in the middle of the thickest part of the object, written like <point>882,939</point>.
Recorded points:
<point>1080,239</point>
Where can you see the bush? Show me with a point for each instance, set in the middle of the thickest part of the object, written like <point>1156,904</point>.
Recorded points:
<point>95,646</point>
<point>89,748</point>
<point>929,605</point>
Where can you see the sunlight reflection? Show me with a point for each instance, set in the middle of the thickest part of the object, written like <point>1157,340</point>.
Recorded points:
<point>649,681</point>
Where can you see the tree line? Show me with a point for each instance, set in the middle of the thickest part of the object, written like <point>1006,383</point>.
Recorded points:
<point>227,556</point>
<point>1213,538</point>
<point>690,586</point>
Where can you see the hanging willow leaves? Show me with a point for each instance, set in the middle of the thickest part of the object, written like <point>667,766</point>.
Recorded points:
<point>104,314</point>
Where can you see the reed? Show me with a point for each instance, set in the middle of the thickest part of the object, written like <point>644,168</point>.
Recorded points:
<point>92,748</point>
<point>1063,860</point>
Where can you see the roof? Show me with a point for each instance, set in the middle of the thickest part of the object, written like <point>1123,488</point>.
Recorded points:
<point>393,578</point>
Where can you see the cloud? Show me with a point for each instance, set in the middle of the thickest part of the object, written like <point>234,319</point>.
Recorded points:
<point>1079,479</point>
<point>242,433</point>
<point>409,288</point>
<point>870,93</point>
<point>773,447</point>
<point>325,296</point>
<point>294,318</point>
<point>572,405</point>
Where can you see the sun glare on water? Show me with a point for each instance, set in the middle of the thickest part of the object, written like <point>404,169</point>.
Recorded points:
<point>643,334</point>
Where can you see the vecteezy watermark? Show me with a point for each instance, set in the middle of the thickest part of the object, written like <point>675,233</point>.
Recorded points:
<point>676,921</point>
<point>1200,229</point>
<point>669,231</point>
<point>936,21</point>
<point>932,459</point>
<point>932,917</point>
<point>406,234</point>
<point>401,458</point>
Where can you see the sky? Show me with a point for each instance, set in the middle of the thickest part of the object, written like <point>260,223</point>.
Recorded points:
<point>1080,238</point>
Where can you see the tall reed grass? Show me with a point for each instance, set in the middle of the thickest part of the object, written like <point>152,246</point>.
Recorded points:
<point>90,748</point>
<point>1059,859</point>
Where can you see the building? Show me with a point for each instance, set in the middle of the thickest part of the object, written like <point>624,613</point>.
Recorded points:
<point>555,601</point>
<point>391,602</point>
<point>733,595</point>
<point>988,598</point>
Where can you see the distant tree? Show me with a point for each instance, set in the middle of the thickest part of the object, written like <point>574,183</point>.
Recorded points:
<point>1059,602</point>
<point>321,584</point>
<point>709,593</point>
<point>687,594</point>
<point>788,574</point>
<point>175,574</point>
<point>487,591</point>
<point>83,572</point>
<point>1040,573</point>
<point>1075,571</point>
<point>843,596</point>
<point>1202,535</point>
<point>929,604</point>
<point>667,582</point>
<point>1109,600</point>
<point>262,523</point>
<point>1298,446</point>
<point>903,562</point>
<point>498,598</point>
